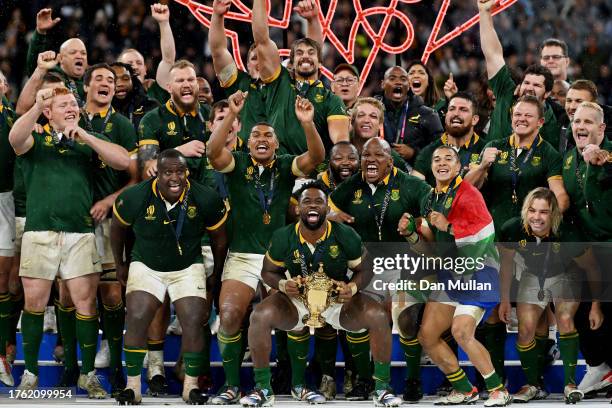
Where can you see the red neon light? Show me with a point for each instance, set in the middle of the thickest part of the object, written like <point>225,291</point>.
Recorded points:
<point>202,13</point>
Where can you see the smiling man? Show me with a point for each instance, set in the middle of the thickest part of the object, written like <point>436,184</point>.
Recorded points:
<point>537,81</point>
<point>99,85</point>
<point>59,220</point>
<point>300,249</point>
<point>410,125</point>
<point>168,216</point>
<point>281,89</point>
<point>259,184</point>
<point>460,120</point>
<point>130,98</point>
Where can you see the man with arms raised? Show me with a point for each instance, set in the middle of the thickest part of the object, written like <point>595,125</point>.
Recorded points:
<point>259,184</point>
<point>168,216</point>
<point>537,81</point>
<point>281,89</point>
<point>299,250</point>
<point>59,220</point>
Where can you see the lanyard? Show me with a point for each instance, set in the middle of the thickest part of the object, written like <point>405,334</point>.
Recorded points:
<point>432,201</point>
<point>400,131</point>
<point>183,124</point>
<point>542,276</point>
<point>316,257</point>
<point>580,177</point>
<point>71,85</point>
<point>179,222</point>
<point>380,217</point>
<point>265,200</point>
<point>516,169</point>
<point>305,87</point>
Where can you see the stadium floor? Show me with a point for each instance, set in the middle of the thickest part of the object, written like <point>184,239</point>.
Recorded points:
<point>552,401</point>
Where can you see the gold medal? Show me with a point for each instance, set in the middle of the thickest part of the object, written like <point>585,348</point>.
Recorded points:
<point>266,218</point>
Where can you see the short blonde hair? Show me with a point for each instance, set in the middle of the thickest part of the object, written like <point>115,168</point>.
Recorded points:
<point>368,101</point>
<point>542,193</point>
<point>599,113</point>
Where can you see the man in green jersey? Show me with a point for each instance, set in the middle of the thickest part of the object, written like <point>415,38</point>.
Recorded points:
<point>101,117</point>
<point>259,184</point>
<point>460,120</point>
<point>537,81</point>
<point>585,170</point>
<point>7,229</point>
<point>233,79</point>
<point>168,216</point>
<point>58,238</point>
<point>533,247</point>
<point>373,202</point>
<point>367,121</point>
<point>299,250</point>
<point>179,124</point>
<point>343,163</point>
<point>507,170</point>
<point>281,89</point>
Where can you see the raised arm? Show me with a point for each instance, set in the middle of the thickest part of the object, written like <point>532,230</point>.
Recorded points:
<point>308,161</point>
<point>161,13</point>
<point>46,61</point>
<point>309,10</point>
<point>219,156</point>
<point>20,136</point>
<point>40,40</point>
<point>489,41</point>
<point>267,52</point>
<point>223,62</point>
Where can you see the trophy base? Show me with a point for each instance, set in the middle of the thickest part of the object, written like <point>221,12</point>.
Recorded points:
<point>315,322</point>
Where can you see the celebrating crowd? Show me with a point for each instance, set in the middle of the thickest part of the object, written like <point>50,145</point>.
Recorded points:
<point>123,196</point>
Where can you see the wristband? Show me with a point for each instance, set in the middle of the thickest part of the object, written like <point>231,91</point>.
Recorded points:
<point>412,238</point>
<point>282,285</point>
<point>353,287</point>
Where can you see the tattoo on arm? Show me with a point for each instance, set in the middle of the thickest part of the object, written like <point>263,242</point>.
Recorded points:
<point>146,153</point>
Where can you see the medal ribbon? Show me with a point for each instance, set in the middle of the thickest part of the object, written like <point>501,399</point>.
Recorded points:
<point>265,200</point>
<point>183,124</point>
<point>179,221</point>
<point>380,217</point>
<point>432,201</point>
<point>400,131</point>
<point>516,170</point>
<point>316,256</point>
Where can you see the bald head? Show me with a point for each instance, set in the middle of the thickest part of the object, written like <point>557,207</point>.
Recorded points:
<point>73,57</point>
<point>384,145</point>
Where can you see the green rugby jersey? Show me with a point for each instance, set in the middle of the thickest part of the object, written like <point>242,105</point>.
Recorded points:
<point>143,208</point>
<point>280,93</point>
<point>59,184</point>
<point>468,153</point>
<point>538,164</point>
<point>405,194</point>
<point>339,249</point>
<point>254,107</point>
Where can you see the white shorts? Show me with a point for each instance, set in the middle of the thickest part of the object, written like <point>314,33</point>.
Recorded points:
<point>178,284</point>
<point>243,267</point>
<point>331,315</point>
<point>7,224</point>
<point>51,254</point>
<point>105,252</point>
<point>470,310</point>
<point>209,262</point>
<point>529,287</point>
<point>19,227</point>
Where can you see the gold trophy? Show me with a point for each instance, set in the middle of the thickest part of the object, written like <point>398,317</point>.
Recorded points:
<point>318,292</point>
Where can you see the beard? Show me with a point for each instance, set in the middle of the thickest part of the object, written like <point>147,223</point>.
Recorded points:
<point>176,99</point>
<point>460,132</point>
